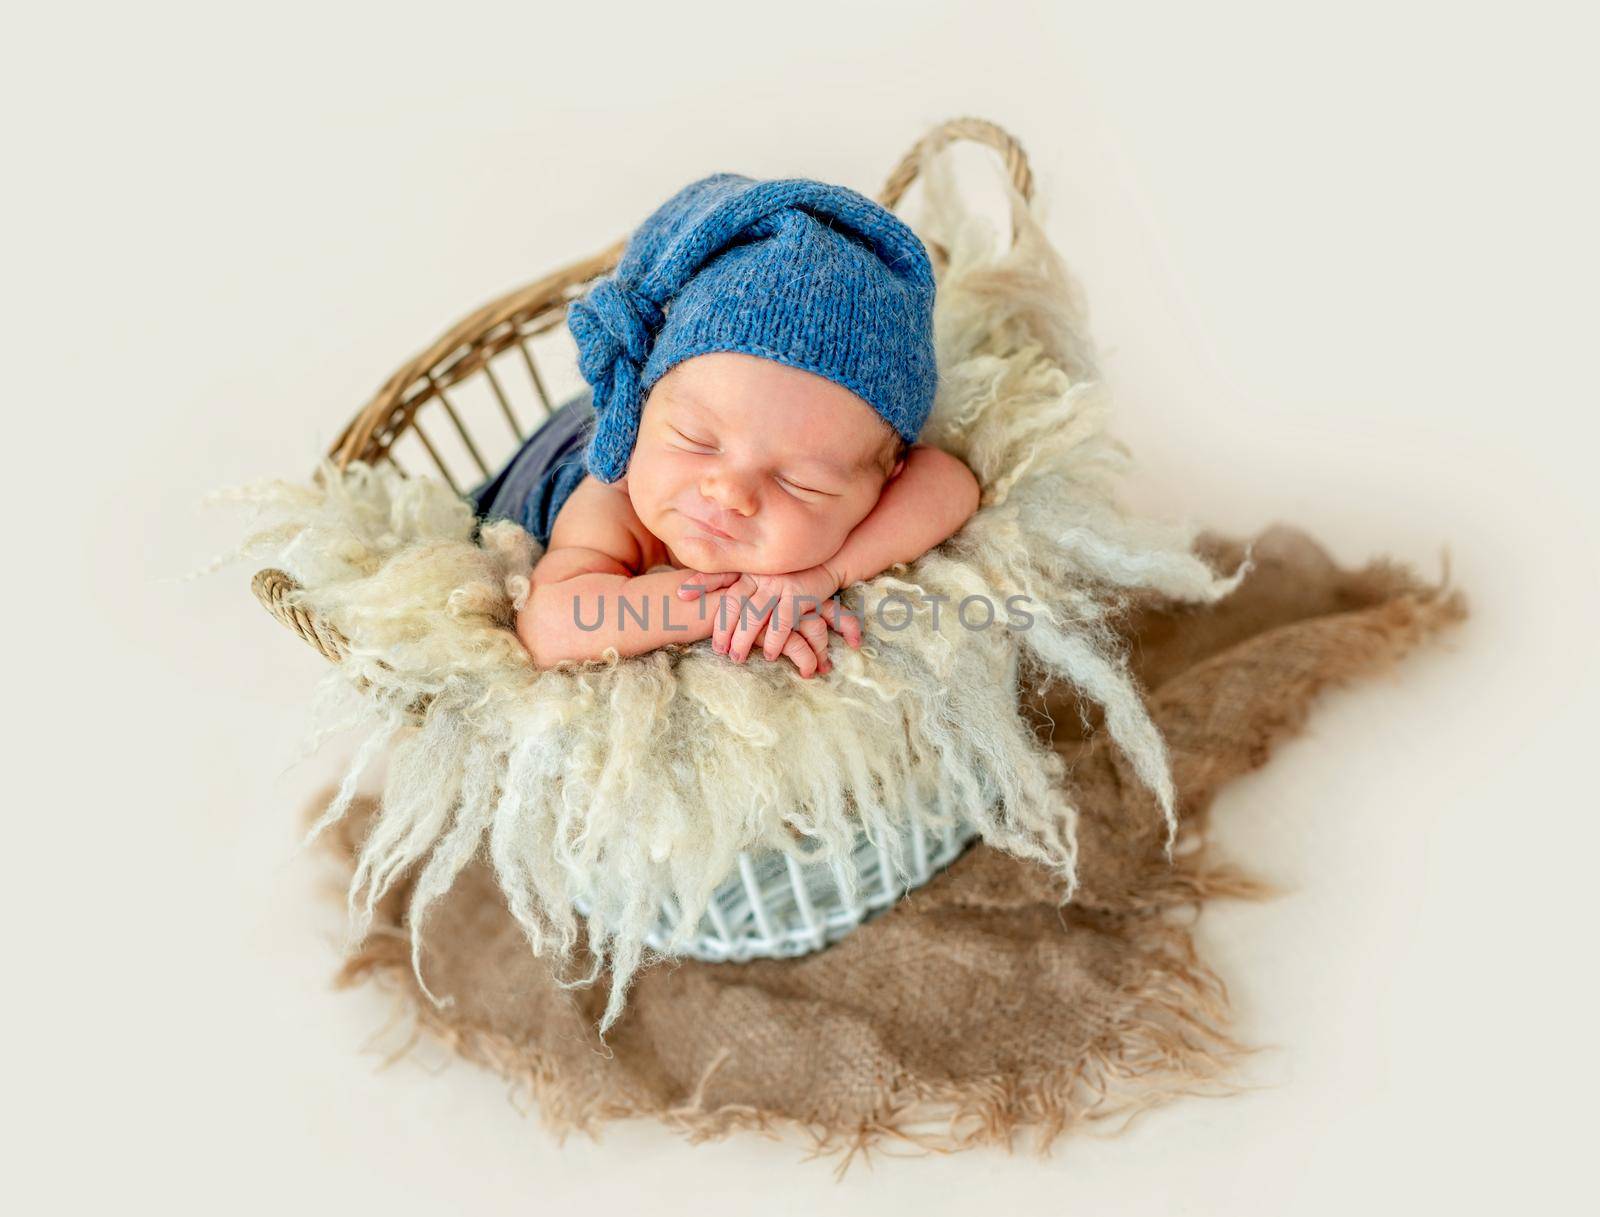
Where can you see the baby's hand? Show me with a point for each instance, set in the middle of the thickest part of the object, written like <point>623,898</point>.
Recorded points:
<point>806,647</point>
<point>770,608</point>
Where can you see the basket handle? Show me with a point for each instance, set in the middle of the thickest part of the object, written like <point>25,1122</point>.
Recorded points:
<point>272,588</point>
<point>979,130</point>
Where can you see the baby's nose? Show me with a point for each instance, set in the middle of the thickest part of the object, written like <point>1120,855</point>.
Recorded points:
<point>729,493</point>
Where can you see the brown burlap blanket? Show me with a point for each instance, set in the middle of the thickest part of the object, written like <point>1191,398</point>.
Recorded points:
<point>978,1008</point>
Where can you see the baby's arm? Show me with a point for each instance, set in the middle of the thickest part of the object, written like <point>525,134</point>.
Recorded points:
<point>586,596</point>
<point>923,505</point>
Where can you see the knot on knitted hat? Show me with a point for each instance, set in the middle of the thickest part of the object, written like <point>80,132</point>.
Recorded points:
<point>614,327</point>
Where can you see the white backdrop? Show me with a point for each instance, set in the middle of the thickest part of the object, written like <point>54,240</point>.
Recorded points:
<point>1341,265</point>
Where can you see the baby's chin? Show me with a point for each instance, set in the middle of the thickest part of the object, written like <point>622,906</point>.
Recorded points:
<point>699,551</point>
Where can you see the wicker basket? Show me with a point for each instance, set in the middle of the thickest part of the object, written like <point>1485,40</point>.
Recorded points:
<point>774,907</point>
<point>476,384</point>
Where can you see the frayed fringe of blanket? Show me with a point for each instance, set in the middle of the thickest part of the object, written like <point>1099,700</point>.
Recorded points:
<point>1170,1041</point>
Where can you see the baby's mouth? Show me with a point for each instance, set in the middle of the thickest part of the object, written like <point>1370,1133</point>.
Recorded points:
<point>710,531</point>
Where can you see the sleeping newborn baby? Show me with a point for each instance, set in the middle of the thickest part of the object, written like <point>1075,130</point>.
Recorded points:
<point>761,365</point>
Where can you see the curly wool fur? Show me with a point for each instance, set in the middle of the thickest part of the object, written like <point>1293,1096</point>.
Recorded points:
<point>622,784</point>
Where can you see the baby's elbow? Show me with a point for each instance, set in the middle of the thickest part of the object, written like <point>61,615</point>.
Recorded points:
<point>971,494</point>
<point>536,630</point>
<point>962,491</point>
<point>948,481</point>
<point>529,634</point>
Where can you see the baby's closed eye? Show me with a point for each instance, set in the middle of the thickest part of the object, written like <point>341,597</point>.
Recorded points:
<point>796,487</point>
<point>698,443</point>
<point>800,490</point>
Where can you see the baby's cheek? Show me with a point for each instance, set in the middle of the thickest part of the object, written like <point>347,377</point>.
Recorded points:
<point>648,491</point>
<point>825,533</point>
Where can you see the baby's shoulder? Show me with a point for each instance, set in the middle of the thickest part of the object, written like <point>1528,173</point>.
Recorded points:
<point>599,517</point>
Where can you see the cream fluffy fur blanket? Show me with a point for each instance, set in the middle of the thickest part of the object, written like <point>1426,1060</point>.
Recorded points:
<point>623,783</point>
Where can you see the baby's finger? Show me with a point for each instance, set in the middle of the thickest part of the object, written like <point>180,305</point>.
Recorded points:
<point>723,623</point>
<point>732,604</point>
<point>749,617</point>
<point>846,623</point>
<point>798,649</point>
<point>815,631</point>
<point>749,614</point>
<point>699,582</point>
<point>779,627</point>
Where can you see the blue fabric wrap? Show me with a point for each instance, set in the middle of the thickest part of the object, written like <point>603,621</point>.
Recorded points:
<point>545,471</point>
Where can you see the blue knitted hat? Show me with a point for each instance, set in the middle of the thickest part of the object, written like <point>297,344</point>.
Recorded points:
<point>815,276</point>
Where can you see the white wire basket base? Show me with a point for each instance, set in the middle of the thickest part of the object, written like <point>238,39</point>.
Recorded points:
<point>775,907</point>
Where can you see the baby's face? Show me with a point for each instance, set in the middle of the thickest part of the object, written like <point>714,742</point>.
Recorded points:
<point>746,464</point>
